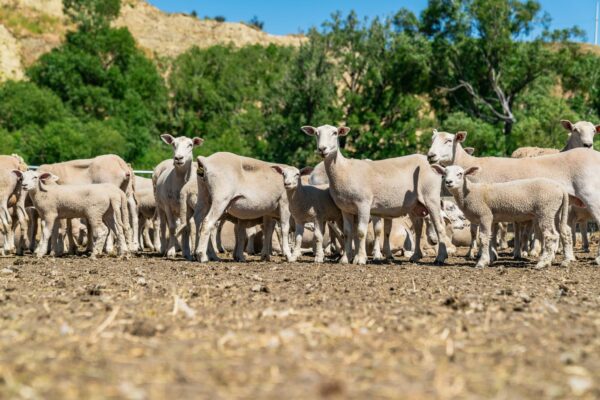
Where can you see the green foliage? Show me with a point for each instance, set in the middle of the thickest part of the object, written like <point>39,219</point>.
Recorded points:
<point>255,22</point>
<point>101,75</point>
<point>490,67</point>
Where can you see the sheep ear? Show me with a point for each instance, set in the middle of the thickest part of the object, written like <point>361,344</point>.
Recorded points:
<point>18,173</point>
<point>597,128</point>
<point>435,132</point>
<point>472,171</point>
<point>197,141</point>
<point>343,130</point>
<point>309,130</point>
<point>306,171</point>
<point>461,136</point>
<point>47,176</point>
<point>469,150</point>
<point>568,125</point>
<point>438,169</point>
<point>168,139</point>
<point>277,169</point>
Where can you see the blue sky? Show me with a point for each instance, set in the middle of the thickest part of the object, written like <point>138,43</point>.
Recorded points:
<point>288,16</point>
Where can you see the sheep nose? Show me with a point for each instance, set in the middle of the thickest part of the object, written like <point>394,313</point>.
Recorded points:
<point>448,182</point>
<point>587,145</point>
<point>430,156</point>
<point>322,148</point>
<point>178,158</point>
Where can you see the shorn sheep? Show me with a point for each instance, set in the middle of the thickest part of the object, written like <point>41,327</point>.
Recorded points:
<point>385,188</point>
<point>540,199</point>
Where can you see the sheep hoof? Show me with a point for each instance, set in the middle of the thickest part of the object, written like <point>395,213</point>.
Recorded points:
<point>439,261</point>
<point>344,259</point>
<point>542,265</point>
<point>481,264</point>
<point>319,260</point>
<point>598,260</point>
<point>415,257</point>
<point>586,249</point>
<point>359,260</point>
<point>264,257</point>
<point>377,257</point>
<point>565,263</point>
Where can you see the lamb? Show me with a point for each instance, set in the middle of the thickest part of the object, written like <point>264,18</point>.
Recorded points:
<point>107,168</point>
<point>521,200</point>
<point>99,204</point>
<point>308,203</point>
<point>247,189</point>
<point>168,190</point>
<point>575,170</point>
<point>386,188</point>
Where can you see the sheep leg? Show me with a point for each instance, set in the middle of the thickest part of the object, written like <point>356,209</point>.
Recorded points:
<point>48,224</point>
<point>98,231</point>
<point>133,216</point>
<point>418,225</point>
<point>319,230</point>
<point>172,225</point>
<point>387,231</point>
<point>157,230</point>
<point>284,219</point>
<point>550,238</point>
<point>217,208</point>
<point>299,232</point>
<point>377,233</point>
<point>362,218</point>
<point>163,231</point>
<point>348,236</point>
<point>501,235</point>
<point>268,228</point>
<point>185,238</point>
<point>436,217</point>
<point>240,241</point>
<point>485,233</point>
<point>584,235</point>
<point>250,243</point>
<point>517,241</point>
<point>218,243</point>
<point>72,246</point>
<point>473,246</point>
<point>33,227</point>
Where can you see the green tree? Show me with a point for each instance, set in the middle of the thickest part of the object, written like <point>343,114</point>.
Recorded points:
<point>101,75</point>
<point>482,62</point>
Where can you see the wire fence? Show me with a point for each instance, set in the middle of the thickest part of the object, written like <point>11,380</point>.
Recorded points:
<point>137,172</point>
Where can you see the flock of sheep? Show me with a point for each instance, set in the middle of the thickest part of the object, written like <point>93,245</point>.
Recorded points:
<point>191,205</point>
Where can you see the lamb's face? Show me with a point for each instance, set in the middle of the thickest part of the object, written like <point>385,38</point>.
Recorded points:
<point>327,137</point>
<point>443,146</point>
<point>29,180</point>
<point>291,176</point>
<point>183,147</point>
<point>454,177</point>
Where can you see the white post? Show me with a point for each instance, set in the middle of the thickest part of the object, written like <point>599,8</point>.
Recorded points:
<point>596,29</point>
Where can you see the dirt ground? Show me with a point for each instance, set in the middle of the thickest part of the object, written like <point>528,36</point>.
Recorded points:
<point>72,328</point>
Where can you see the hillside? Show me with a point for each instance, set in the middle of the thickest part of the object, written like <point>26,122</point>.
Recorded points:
<point>29,28</point>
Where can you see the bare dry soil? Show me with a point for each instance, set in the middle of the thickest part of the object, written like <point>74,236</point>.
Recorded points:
<point>72,328</point>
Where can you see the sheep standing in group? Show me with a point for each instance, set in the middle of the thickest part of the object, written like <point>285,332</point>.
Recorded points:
<point>385,188</point>
<point>102,205</point>
<point>575,170</point>
<point>308,203</point>
<point>246,189</point>
<point>108,168</point>
<point>169,183</point>
<point>581,134</point>
<point>540,199</point>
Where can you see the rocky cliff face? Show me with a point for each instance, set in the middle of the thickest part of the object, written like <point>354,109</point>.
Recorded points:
<point>29,28</point>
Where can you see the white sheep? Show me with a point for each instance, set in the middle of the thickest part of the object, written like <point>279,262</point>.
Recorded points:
<point>308,203</point>
<point>521,200</point>
<point>384,188</point>
<point>102,205</point>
